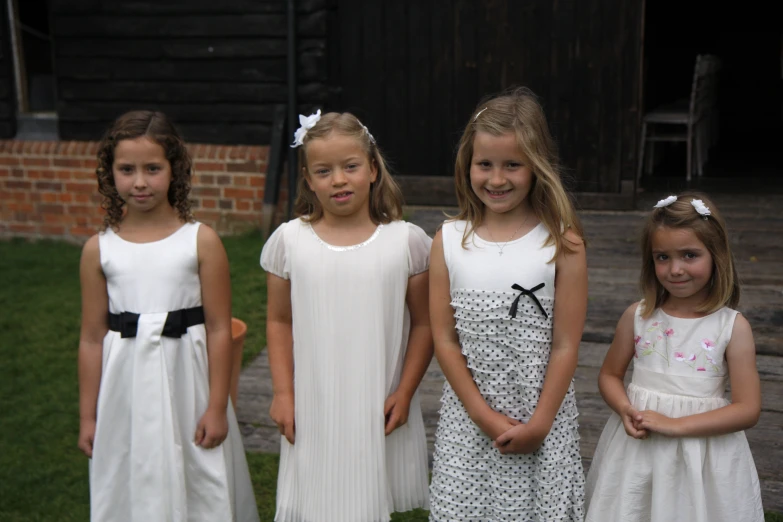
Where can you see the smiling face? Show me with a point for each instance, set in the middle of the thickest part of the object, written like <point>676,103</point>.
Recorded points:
<point>142,174</point>
<point>340,174</point>
<point>683,264</point>
<point>499,172</point>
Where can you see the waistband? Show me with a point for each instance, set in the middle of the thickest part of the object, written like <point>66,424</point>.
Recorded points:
<point>177,322</point>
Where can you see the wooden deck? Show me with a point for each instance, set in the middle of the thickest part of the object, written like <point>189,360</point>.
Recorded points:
<point>756,227</point>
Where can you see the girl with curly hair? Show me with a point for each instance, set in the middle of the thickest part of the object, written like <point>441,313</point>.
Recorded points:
<point>155,347</point>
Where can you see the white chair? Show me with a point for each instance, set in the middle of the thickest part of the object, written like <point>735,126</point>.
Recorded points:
<point>697,115</point>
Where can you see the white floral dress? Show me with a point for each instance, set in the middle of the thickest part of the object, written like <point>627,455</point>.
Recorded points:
<point>679,370</point>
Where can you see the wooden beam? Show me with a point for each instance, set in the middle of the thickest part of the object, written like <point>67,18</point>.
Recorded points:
<point>439,191</point>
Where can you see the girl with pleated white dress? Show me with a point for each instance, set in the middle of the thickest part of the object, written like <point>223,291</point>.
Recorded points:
<point>348,334</point>
<point>155,347</point>
<point>674,448</point>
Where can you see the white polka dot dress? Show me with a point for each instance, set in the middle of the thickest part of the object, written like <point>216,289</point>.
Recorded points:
<point>507,355</point>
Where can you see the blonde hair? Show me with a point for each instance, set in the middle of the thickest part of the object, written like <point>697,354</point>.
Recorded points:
<point>385,194</point>
<point>518,111</point>
<point>724,283</point>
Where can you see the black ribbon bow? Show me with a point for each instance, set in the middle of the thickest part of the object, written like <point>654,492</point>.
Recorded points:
<point>176,325</point>
<point>127,323</point>
<point>525,291</point>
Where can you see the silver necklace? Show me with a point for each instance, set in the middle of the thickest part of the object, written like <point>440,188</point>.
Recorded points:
<point>500,248</point>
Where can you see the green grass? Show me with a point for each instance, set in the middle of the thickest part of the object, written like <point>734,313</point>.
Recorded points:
<point>43,476</point>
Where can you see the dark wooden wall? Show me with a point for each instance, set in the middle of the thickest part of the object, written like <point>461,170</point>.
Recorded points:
<point>216,66</point>
<point>7,89</point>
<point>415,69</point>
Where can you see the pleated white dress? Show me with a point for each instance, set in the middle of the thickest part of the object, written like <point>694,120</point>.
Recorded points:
<point>679,370</point>
<point>507,356</point>
<point>154,389</point>
<point>350,330</point>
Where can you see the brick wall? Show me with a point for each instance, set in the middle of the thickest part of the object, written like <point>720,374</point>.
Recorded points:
<point>49,189</point>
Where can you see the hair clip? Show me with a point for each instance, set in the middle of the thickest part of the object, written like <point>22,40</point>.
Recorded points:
<point>305,124</point>
<point>479,114</point>
<point>665,202</point>
<point>701,208</point>
<point>372,139</point>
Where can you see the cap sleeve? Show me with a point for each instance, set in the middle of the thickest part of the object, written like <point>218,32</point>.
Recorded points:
<point>273,256</point>
<point>419,244</point>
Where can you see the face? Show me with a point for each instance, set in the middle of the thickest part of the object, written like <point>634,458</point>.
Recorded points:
<point>340,173</point>
<point>142,174</point>
<point>499,172</point>
<point>683,265</point>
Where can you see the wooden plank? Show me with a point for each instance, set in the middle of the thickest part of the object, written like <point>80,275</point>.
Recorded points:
<point>631,63</point>
<point>199,113</point>
<point>172,92</point>
<point>238,70</point>
<point>466,94</point>
<point>492,28</point>
<point>153,7</point>
<point>419,125</point>
<point>562,85</point>
<point>440,192</point>
<point>371,101</point>
<point>180,48</point>
<point>351,42</point>
<point>608,152</point>
<point>187,24</point>
<point>397,96</point>
<point>215,133</point>
<point>7,129</point>
<point>445,131</point>
<point>169,26</point>
<point>530,45</point>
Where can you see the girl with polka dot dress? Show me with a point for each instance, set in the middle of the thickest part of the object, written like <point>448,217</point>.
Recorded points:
<point>508,298</point>
<point>675,448</point>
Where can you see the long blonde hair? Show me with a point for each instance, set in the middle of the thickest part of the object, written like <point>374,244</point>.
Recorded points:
<point>385,194</point>
<point>518,111</point>
<point>724,284</point>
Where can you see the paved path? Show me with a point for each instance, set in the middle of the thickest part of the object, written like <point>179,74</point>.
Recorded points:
<point>756,226</point>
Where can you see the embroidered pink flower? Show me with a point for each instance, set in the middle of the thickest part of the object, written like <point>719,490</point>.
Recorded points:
<point>647,343</point>
<point>711,359</point>
<point>679,356</point>
<point>692,357</point>
<point>708,345</point>
<point>656,323</point>
<point>669,332</point>
<point>637,339</point>
<point>700,369</point>
<point>659,337</point>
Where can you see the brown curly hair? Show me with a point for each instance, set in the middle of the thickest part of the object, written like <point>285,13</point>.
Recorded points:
<point>159,128</point>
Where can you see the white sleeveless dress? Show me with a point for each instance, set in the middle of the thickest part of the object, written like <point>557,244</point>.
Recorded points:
<point>679,370</point>
<point>154,389</point>
<point>507,356</point>
<point>350,329</point>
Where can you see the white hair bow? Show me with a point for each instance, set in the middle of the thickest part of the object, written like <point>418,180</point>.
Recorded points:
<point>665,202</point>
<point>701,208</point>
<point>305,124</point>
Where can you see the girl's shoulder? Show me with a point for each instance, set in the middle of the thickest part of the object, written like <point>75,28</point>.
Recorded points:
<point>453,228</point>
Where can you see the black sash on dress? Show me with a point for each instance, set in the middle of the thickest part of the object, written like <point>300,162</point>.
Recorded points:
<point>177,322</point>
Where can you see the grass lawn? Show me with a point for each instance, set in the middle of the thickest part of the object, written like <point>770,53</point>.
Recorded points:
<point>43,476</point>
